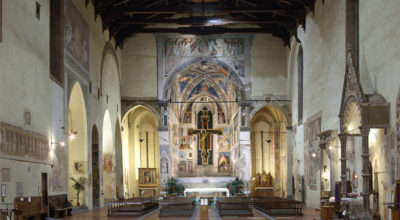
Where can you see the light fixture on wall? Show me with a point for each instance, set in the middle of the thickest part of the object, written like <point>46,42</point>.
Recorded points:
<point>268,141</point>
<point>61,143</point>
<point>72,135</point>
<point>330,147</point>
<point>314,155</point>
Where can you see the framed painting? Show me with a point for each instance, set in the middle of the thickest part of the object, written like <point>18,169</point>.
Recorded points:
<point>147,177</point>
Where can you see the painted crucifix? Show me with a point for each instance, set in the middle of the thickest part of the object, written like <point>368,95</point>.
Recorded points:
<point>204,133</point>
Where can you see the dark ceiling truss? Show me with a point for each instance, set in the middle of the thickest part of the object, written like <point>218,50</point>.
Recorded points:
<point>123,18</point>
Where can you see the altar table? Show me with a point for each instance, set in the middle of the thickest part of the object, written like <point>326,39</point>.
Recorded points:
<point>207,190</point>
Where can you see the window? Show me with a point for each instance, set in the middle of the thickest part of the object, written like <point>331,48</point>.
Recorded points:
<point>38,10</point>
<point>300,86</point>
<point>56,41</point>
<point>1,21</point>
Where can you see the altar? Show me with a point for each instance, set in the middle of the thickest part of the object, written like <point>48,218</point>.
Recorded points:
<point>206,185</point>
<point>206,191</point>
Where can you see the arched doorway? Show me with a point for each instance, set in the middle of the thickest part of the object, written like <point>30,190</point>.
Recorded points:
<point>77,143</point>
<point>95,167</point>
<point>140,148</point>
<point>108,160</point>
<point>269,150</point>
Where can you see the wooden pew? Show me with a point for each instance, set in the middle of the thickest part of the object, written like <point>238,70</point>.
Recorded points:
<point>234,206</point>
<point>132,207</point>
<point>276,206</point>
<point>33,209</point>
<point>176,207</point>
<point>59,206</point>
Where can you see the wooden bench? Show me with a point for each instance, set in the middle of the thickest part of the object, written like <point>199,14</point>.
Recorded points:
<point>132,207</point>
<point>276,206</point>
<point>29,208</point>
<point>234,206</point>
<point>59,206</point>
<point>176,207</point>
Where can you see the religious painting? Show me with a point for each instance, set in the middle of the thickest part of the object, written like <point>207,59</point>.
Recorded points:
<point>17,142</point>
<point>5,175</point>
<point>215,47</point>
<point>164,167</point>
<point>245,163</point>
<point>186,142</point>
<point>76,36</point>
<point>238,66</point>
<point>224,140</point>
<point>59,170</point>
<point>190,166</point>
<point>182,155</point>
<point>221,115</point>
<point>27,117</point>
<point>311,150</point>
<point>185,80</point>
<point>79,167</point>
<point>182,167</point>
<point>204,88</point>
<point>224,162</point>
<point>147,176</point>
<point>108,162</point>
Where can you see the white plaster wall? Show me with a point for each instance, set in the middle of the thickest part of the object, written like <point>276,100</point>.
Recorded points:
<point>268,66</point>
<point>139,66</point>
<point>25,84</point>
<point>324,67</point>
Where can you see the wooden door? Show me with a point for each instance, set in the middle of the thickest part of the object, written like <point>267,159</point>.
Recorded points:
<point>396,208</point>
<point>44,192</point>
<point>95,175</point>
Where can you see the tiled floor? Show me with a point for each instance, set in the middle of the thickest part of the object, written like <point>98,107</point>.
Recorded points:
<point>101,214</point>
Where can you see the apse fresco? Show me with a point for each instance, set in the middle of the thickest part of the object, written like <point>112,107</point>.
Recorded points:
<point>203,88</point>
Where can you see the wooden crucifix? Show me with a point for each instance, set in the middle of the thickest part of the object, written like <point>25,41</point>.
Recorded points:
<point>204,136</point>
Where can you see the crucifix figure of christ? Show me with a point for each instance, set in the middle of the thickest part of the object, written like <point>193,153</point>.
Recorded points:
<point>204,134</point>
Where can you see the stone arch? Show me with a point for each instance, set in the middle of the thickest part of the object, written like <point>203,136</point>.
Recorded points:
<point>109,49</point>
<point>132,106</point>
<point>78,143</point>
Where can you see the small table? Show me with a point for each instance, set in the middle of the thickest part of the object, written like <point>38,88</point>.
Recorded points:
<point>206,190</point>
<point>266,191</point>
<point>146,188</point>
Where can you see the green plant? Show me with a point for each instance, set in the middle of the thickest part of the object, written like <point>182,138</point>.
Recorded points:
<point>78,185</point>
<point>235,186</point>
<point>173,186</point>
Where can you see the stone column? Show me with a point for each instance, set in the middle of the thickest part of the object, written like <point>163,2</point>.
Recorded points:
<point>365,170</point>
<point>289,161</point>
<point>343,159</point>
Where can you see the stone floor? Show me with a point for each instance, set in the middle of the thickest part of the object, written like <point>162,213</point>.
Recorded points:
<point>101,214</point>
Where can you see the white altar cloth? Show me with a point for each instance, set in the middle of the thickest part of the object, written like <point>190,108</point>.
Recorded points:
<point>207,190</point>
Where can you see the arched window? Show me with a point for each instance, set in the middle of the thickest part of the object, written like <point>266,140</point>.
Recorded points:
<point>300,86</point>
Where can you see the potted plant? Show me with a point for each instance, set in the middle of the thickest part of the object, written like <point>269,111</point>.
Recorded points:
<point>173,186</point>
<point>235,186</point>
<point>78,185</point>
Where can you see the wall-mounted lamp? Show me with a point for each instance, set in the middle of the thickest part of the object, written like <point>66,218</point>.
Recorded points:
<point>141,140</point>
<point>268,141</point>
<point>330,147</point>
<point>62,143</point>
<point>314,155</point>
<point>72,135</point>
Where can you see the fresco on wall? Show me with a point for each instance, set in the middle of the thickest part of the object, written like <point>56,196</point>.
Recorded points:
<point>203,88</point>
<point>224,162</point>
<point>179,47</point>
<point>224,140</point>
<point>59,170</point>
<point>164,165</point>
<point>221,115</point>
<point>108,162</point>
<point>245,163</point>
<point>17,142</point>
<point>311,150</point>
<point>76,36</point>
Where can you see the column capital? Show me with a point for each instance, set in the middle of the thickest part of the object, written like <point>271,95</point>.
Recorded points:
<point>365,130</point>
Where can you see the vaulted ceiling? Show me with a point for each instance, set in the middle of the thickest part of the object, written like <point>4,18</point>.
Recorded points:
<point>123,18</point>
